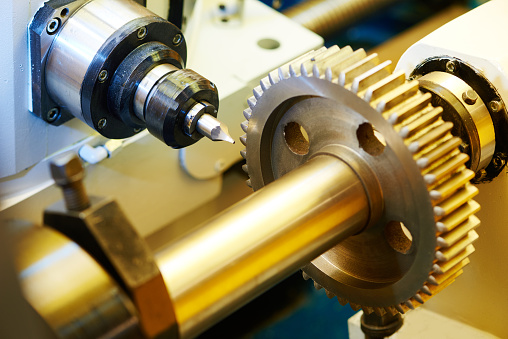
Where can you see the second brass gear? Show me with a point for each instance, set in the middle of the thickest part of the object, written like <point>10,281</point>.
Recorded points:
<point>332,94</point>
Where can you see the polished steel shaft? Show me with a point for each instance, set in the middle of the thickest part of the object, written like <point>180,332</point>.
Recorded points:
<point>259,241</point>
<point>231,259</point>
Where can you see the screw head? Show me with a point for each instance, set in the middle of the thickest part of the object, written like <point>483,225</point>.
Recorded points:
<point>141,33</point>
<point>53,26</point>
<point>451,66</point>
<point>495,106</point>
<point>177,40</point>
<point>53,114</point>
<point>102,123</point>
<point>103,75</point>
<point>470,97</point>
<point>66,169</point>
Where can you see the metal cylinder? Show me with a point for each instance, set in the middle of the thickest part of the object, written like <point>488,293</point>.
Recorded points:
<point>261,240</point>
<point>326,16</point>
<point>212,272</point>
<point>78,43</point>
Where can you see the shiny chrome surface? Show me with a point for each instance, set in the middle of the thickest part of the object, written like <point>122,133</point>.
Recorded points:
<point>260,240</point>
<point>213,129</point>
<point>473,113</point>
<point>146,85</point>
<point>77,44</point>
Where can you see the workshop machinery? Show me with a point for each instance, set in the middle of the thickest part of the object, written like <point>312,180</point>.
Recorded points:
<point>363,176</point>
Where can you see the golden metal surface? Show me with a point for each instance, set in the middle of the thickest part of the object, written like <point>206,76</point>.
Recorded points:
<point>262,239</point>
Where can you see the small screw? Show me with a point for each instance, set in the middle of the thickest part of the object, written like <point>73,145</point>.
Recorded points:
<point>53,26</point>
<point>142,33</point>
<point>103,75</point>
<point>470,97</point>
<point>495,106</point>
<point>102,123</point>
<point>53,115</point>
<point>498,162</point>
<point>451,66</point>
<point>177,39</point>
<point>480,175</point>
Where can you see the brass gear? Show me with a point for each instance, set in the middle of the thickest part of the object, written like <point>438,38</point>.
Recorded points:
<point>427,141</point>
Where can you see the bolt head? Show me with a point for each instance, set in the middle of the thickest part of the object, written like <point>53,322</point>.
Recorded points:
<point>451,66</point>
<point>470,97</point>
<point>66,169</point>
<point>177,39</point>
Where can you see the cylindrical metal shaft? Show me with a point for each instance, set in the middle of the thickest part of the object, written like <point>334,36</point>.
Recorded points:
<point>261,240</point>
<point>231,259</point>
<point>326,16</point>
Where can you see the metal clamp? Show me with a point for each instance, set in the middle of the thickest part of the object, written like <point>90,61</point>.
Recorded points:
<point>104,231</point>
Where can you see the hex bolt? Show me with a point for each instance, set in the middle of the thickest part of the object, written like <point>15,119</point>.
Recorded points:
<point>470,97</point>
<point>68,173</point>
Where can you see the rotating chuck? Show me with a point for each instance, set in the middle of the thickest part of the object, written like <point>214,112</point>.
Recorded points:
<point>120,69</point>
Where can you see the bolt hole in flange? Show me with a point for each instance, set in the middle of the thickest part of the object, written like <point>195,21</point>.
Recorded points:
<point>268,43</point>
<point>371,141</point>
<point>398,236</point>
<point>296,138</point>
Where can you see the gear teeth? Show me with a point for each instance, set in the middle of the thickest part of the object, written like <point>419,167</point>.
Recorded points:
<point>245,126</point>
<point>328,74</point>
<point>305,276</point>
<point>379,311</point>
<point>427,137</point>
<point>456,200</point>
<point>281,74</point>
<point>459,246</point>
<point>247,113</point>
<point>406,109</point>
<point>425,289</point>
<point>243,139</point>
<point>245,168</point>
<point>438,152</point>
<point>355,307</point>
<point>258,92</point>
<point>342,301</point>
<point>418,298</point>
<point>315,71</point>
<point>451,165</point>
<point>251,102</point>
<point>447,188</point>
<point>317,286</point>
<point>448,223</point>
<point>451,238</point>
<point>430,136</point>
<point>383,87</point>
<point>243,153</point>
<point>443,267</point>
<point>400,309</point>
<point>329,294</point>
<point>292,72</point>
<point>271,80</point>
<point>347,75</point>
<point>303,71</point>
<point>368,309</point>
